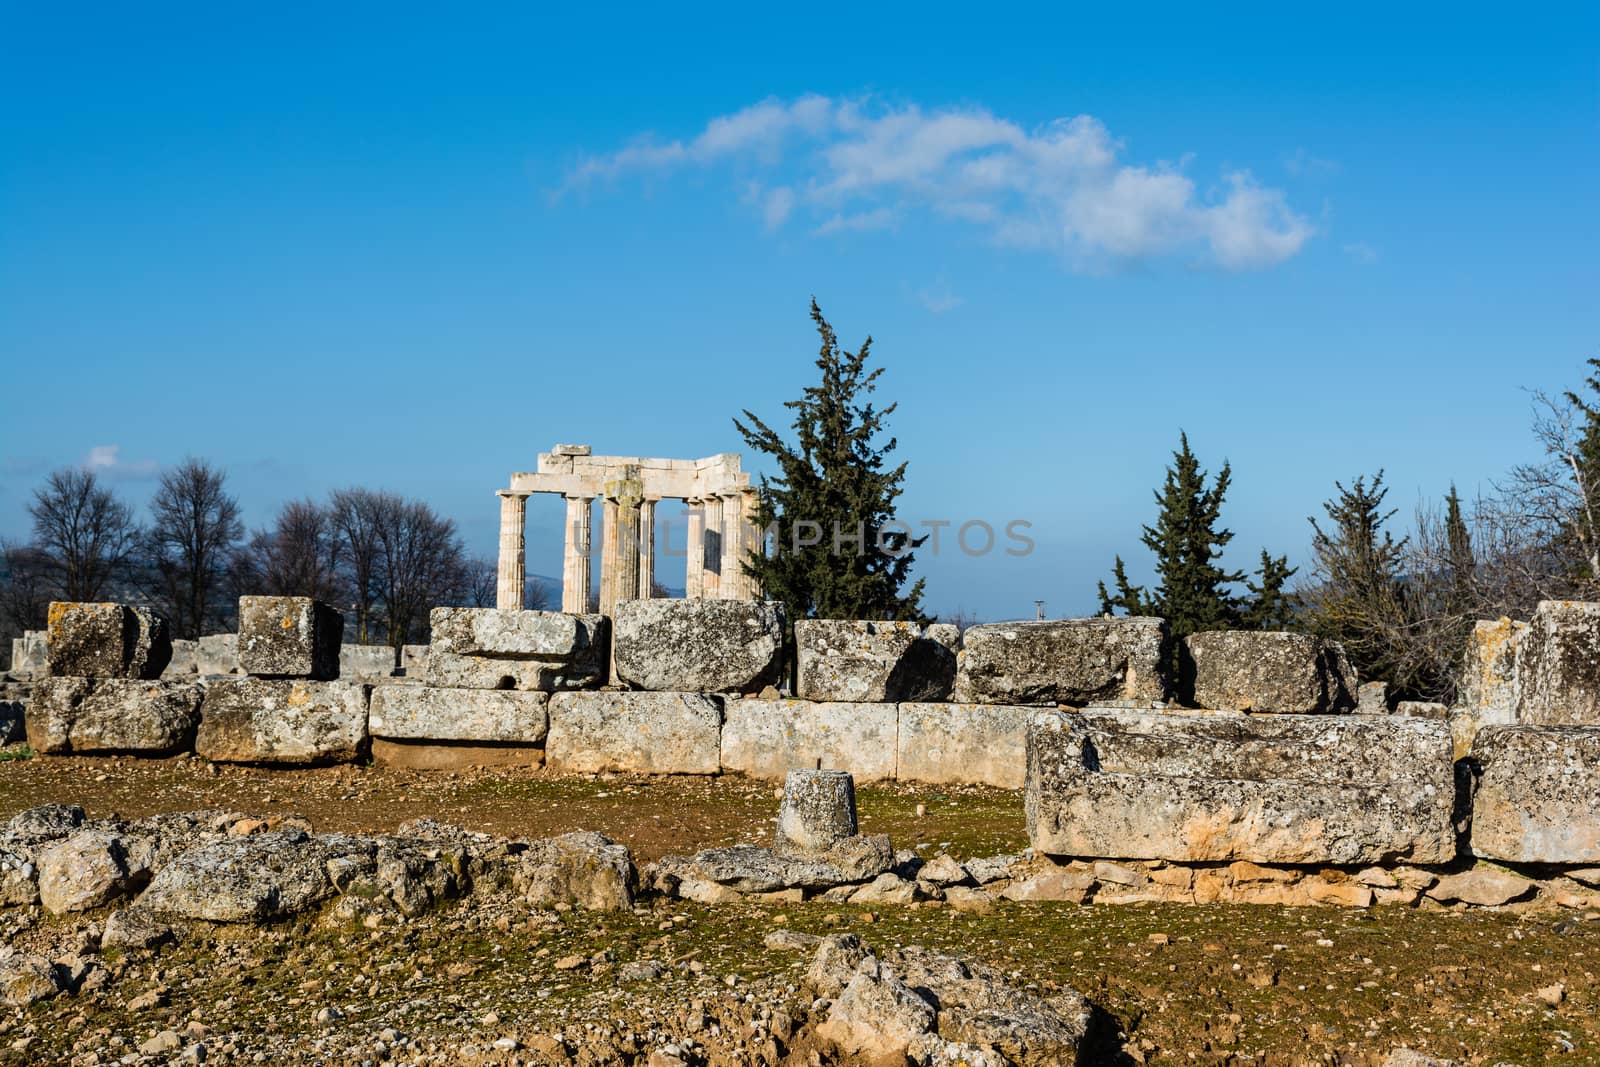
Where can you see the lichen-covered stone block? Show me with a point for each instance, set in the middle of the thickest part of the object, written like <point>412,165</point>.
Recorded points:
<point>1266,671</point>
<point>1558,665</point>
<point>85,715</point>
<point>770,738</point>
<point>640,733</point>
<point>449,670</point>
<point>875,661</point>
<point>964,744</point>
<point>262,720</point>
<point>486,716</point>
<point>1198,786</point>
<point>545,651</point>
<point>1489,677</point>
<point>1070,661</point>
<point>289,637</point>
<point>1538,800</point>
<point>698,646</point>
<point>107,641</point>
<point>366,663</point>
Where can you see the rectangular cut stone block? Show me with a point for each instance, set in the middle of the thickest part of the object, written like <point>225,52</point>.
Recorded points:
<point>770,738</point>
<point>1489,679</point>
<point>1266,671</point>
<point>1071,661</point>
<point>261,720</point>
<point>414,660</point>
<point>1558,665</point>
<point>875,661</point>
<point>423,713</point>
<point>184,660</point>
<point>448,670</point>
<point>643,733</point>
<point>1538,800</point>
<point>289,637</point>
<point>366,663</point>
<point>29,654</point>
<point>519,634</point>
<point>1190,787</point>
<point>84,715</point>
<point>698,646</point>
<point>217,654</point>
<point>968,744</point>
<point>107,641</point>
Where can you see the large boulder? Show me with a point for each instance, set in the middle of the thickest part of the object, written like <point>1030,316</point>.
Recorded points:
<point>289,637</point>
<point>640,733</point>
<point>259,720</point>
<point>244,879</point>
<point>1489,676</point>
<point>770,738</point>
<point>752,869</point>
<point>964,744</point>
<point>1266,671</point>
<point>83,871</point>
<point>698,646</point>
<point>586,869</point>
<point>874,661</point>
<point>1558,665</point>
<point>1538,799</point>
<point>1206,787</point>
<point>83,715</point>
<point>486,716</point>
<point>1071,661</point>
<point>107,641</point>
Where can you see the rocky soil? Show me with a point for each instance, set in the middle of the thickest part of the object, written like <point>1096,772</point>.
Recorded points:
<point>490,978</point>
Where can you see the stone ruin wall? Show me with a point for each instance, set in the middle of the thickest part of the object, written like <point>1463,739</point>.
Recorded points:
<point>1262,772</point>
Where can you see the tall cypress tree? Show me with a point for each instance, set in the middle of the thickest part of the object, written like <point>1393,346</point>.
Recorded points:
<point>837,553</point>
<point>1187,540</point>
<point>1459,545</point>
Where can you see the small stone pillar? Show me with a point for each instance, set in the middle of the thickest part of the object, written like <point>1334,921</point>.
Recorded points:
<point>647,548</point>
<point>575,566</point>
<point>694,571</point>
<point>819,811</point>
<point>711,550</point>
<point>512,576</point>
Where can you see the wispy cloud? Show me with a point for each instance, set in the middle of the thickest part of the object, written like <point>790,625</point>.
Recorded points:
<point>107,460</point>
<point>938,298</point>
<point>856,165</point>
<point>1361,252</point>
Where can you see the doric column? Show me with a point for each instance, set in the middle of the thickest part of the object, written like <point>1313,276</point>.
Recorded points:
<point>732,547</point>
<point>647,548</point>
<point>754,541</point>
<point>575,567</point>
<point>711,579</point>
<point>619,573</point>
<point>512,575</point>
<point>694,570</point>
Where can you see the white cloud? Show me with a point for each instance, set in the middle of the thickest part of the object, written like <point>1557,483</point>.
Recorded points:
<point>853,165</point>
<point>1361,252</point>
<point>938,298</point>
<point>107,460</point>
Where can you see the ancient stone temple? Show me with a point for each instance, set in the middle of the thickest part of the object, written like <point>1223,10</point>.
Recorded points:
<point>721,528</point>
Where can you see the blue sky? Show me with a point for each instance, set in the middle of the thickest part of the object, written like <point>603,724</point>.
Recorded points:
<point>383,245</point>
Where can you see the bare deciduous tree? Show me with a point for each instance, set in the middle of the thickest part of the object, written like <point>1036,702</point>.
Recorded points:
<point>421,563</point>
<point>84,532</point>
<point>28,588</point>
<point>298,556</point>
<point>355,515</point>
<point>191,542</point>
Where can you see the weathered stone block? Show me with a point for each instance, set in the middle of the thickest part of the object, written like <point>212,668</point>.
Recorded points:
<point>1372,698</point>
<point>112,715</point>
<point>1558,665</point>
<point>1489,679</point>
<point>448,670</point>
<point>968,744</point>
<point>30,654</point>
<point>1290,789</point>
<point>704,646</point>
<point>1266,671</point>
<point>770,738</point>
<point>424,713</point>
<point>289,637</point>
<point>183,662</point>
<point>414,660</point>
<point>217,654</point>
<point>107,641</point>
<point>1072,661</point>
<point>644,733</point>
<point>1538,800</point>
<point>875,661</point>
<point>366,663</point>
<point>481,648</point>
<point>260,720</point>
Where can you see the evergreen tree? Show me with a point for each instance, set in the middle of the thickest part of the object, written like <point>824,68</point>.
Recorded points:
<point>1459,543</point>
<point>1270,607</point>
<point>1361,599</point>
<point>837,553</point>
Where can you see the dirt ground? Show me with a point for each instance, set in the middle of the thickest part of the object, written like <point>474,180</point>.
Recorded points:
<point>1180,984</point>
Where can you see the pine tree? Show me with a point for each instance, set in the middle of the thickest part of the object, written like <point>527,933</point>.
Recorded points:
<point>836,552</point>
